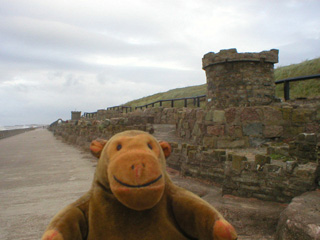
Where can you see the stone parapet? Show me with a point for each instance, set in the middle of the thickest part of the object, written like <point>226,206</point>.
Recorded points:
<point>82,132</point>
<point>239,127</point>
<point>269,180</point>
<point>231,55</point>
<point>304,148</point>
<point>262,178</point>
<point>198,162</point>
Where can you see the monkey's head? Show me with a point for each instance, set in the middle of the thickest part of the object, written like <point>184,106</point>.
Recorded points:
<point>132,164</point>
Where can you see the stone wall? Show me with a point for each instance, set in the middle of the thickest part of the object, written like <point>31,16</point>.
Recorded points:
<point>268,179</point>
<point>161,115</point>
<point>305,147</point>
<point>240,127</point>
<point>240,79</point>
<point>82,132</point>
<point>157,115</point>
<point>105,123</point>
<point>235,127</point>
<point>198,162</point>
<point>261,177</point>
<point>75,115</point>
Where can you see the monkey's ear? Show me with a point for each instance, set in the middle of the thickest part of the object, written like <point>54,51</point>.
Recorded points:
<point>96,147</point>
<point>166,148</point>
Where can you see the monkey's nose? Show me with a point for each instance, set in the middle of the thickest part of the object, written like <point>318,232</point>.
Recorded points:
<point>138,169</point>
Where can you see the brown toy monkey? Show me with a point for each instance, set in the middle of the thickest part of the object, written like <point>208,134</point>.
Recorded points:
<point>132,197</point>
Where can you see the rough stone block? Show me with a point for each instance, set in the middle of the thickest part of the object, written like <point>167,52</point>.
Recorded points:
<point>272,131</point>
<point>236,161</point>
<point>209,116</point>
<point>191,147</point>
<point>312,127</point>
<point>263,196</point>
<point>253,129</point>
<point>219,116</point>
<point>208,141</point>
<point>174,144</point>
<point>216,130</point>
<point>272,168</point>
<point>235,131</point>
<point>196,131</point>
<point>272,115</point>
<point>219,154</point>
<point>249,114</point>
<point>318,114</point>
<point>185,125</point>
<point>306,171</point>
<point>222,143</point>
<point>250,188</point>
<point>249,166</point>
<point>301,137</point>
<point>301,115</point>
<point>292,131</point>
<point>192,155</point>
<point>230,114</point>
<point>287,112</point>
<point>248,179</point>
<point>311,138</point>
<point>301,219</point>
<point>262,159</point>
<point>290,166</point>
<point>298,185</point>
<point>199,116</point>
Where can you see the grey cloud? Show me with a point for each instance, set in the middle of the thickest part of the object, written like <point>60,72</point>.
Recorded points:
<point>87,55</point>
<point>296,49</point>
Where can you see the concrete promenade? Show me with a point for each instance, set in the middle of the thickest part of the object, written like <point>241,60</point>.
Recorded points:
<point>38,176</point>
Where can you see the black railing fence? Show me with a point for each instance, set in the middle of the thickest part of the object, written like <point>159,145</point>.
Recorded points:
<point>286,82</point>
<point>89,115</point>
<point>196,102</point>
<point>118,108</point>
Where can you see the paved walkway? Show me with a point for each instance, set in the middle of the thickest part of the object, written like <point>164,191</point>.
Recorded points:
<point>167,132</point>
<point>38,176</point>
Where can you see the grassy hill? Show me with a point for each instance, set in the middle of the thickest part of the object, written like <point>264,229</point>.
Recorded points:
<point>192,91</point>
<point>309,88</point>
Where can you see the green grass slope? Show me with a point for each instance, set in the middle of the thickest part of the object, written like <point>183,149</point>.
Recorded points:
<point>302,89</point>
<point>192,91</point>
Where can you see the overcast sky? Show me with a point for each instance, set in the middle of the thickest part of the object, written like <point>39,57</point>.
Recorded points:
<point>65,55</point>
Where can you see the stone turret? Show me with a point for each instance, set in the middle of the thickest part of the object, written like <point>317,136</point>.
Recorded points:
<point>240,79</point>
<point>75,115</point>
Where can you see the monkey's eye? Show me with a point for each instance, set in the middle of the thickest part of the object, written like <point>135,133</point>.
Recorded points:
<point>149,146</point>
<point>119,146</point>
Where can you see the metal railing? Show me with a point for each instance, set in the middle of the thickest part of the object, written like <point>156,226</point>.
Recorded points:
<point>90,115</point>
<point>196,102</point>
<point>286,82</point>
<point>118,108</point>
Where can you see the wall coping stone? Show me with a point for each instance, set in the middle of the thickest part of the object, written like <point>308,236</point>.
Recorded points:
<point>231,55</point>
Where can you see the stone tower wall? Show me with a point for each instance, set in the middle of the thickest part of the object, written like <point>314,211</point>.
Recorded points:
<point>240,79</point>
<point>75,115</point>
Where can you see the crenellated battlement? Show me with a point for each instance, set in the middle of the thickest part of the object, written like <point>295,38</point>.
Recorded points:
<point>231,55</point>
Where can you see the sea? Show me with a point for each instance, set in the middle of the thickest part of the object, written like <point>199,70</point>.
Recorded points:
<point>3,128</point>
